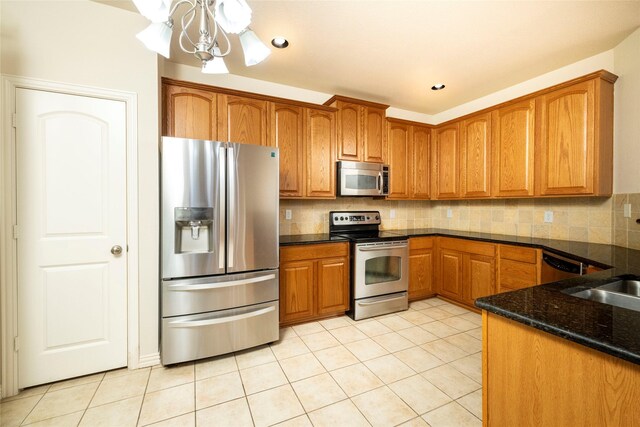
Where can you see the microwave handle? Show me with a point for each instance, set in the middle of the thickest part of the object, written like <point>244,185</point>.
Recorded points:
<point>379,182</point>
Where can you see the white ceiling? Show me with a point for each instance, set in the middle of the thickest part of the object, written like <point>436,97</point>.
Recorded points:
<point>394,51</point>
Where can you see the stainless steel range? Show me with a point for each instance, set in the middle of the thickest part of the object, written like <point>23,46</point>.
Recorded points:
<point>379,263</point>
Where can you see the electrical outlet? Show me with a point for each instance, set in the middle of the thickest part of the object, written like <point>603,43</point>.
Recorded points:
<point>548,216</point>
<point>287,214</point>
<point>449,213</point>
<point>392,213</point>
<point>627,210</point>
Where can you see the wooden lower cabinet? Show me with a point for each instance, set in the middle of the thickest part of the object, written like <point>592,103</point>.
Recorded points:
<point>532,378</point>
<point>421,263</point>
<point>314,281</point>
<point>518,267</point>
<point>466,269</point>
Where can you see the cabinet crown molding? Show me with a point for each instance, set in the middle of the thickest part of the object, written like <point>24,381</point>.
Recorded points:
<point>341,98</point>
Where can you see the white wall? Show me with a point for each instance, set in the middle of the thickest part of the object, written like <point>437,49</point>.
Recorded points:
<point>87,43</point>
<point>626,160</point>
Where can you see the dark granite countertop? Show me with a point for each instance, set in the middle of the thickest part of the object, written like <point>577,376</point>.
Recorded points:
<point>610,329</point>
<point>309,239</point>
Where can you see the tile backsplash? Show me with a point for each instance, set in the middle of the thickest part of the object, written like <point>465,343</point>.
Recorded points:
<point>592,219</point>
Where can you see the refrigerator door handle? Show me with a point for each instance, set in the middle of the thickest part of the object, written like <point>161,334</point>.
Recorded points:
<point>209,322</point>
<point>219,285</point>
<point>231,209</point>
<point>222,207</point>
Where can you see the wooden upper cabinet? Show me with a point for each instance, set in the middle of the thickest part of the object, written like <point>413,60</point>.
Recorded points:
<point>287,134</point>
<point>575,154</point>
<point>421,158</point>
<point>189,113</point>
<point>446,161</point>
<point>243,120</point>
<point>361,129</point>
<point>513,152</point>
<point>399,158</point>
<point>475,161</point>
<point>320,145</point>
<point>374,134</point>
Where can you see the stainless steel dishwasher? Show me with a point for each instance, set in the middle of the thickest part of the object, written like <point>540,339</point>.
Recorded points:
<point>556,267</point>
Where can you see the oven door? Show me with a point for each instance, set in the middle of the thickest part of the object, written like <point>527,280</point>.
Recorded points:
<point>380,268</point>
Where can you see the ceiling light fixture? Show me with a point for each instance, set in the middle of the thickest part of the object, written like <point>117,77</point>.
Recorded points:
<point>280,42</point>
<point>438,86</point>
<point>216,19</point>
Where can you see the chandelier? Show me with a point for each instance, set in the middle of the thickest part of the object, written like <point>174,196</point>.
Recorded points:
<point>213,20</point>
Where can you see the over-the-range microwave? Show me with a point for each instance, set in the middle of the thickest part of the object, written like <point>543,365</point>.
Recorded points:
<point>363,179</point>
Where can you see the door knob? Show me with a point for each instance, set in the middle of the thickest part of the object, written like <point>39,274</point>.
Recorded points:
<point>116,250</point>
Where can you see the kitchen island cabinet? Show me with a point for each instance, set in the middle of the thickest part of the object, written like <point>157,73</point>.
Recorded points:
<point>314,281</point>
<point>533,378</point>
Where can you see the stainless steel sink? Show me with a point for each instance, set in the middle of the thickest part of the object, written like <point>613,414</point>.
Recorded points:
<point>629,287</point>
<point>623,293</point>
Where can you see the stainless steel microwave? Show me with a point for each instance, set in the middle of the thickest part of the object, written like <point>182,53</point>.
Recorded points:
<point>363,179</point>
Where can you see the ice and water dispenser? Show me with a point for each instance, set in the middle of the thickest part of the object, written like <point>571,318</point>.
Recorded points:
<point>194,229</point>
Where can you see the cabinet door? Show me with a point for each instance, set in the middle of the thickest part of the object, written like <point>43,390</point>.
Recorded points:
<point>189,113</point>
<point>242,120</point>
<point>420,274</point>
<point>447,162</point>
<point>319,147</point>
<point>349,132</point>
<point>287,133</point>
<point>398,158</point>
<point>567,140</point>
<point>296,290</point>
<point>475,137</point>
<point>333,285</point>
<point>421,155</point>
<point>513,155</point>
<point>479,276</point>
<point>374,138</point>
<point>450,270</point>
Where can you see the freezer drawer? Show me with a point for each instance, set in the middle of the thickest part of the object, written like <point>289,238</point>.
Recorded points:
<point>182,297</point>
<point>210,334</point>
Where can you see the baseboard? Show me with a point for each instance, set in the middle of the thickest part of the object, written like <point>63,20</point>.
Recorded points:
<point>149,360</point>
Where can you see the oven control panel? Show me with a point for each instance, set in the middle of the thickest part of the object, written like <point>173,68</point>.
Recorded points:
<point>354,218</point>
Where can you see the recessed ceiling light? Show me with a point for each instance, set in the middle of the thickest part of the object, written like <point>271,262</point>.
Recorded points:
<point>438,86</point>
<point>280,42</point>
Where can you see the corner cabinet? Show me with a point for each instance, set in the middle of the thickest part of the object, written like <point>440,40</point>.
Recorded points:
<point>446,162</point>
<point>408,156</point>
<point>314,281</point>
<point>361,129</point>
<point>576,139</point>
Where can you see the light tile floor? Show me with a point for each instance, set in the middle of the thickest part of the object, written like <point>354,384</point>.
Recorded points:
<point>420,367</point>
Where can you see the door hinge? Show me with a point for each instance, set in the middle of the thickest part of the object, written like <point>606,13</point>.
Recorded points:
<point>14,120</point>
<point>16,343</point>
<point>15,232</point>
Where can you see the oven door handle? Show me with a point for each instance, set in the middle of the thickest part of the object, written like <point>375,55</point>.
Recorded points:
<point>381,301</point>
<point>381,247</point>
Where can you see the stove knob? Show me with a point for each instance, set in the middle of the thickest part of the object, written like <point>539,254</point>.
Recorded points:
<point>377,217</point>
<point>335,218</point>
<point>368,218</point>
<point>341,218</point>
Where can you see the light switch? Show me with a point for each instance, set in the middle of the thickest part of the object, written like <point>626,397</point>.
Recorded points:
<point>627,210</point>
<point>548,216</point>
<point>392,213</point>
<point>449,213</point>
<point>287,214</point>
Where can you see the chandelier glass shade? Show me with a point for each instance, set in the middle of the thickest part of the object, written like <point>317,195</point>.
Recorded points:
<point>204,28</point>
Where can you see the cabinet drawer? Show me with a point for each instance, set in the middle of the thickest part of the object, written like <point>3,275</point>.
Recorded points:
<point>518,253</point>
<point>420,243</point>
<point>517,275</point>
<point>468,246</point>
<point>323,250</point>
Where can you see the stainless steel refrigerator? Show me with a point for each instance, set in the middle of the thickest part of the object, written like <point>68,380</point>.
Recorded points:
<point>219,240</point>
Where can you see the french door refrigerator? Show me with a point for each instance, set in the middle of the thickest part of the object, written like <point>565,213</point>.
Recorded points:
<point>219,240</point>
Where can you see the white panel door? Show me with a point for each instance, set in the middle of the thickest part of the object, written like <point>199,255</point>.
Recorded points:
<point>71,198</point>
